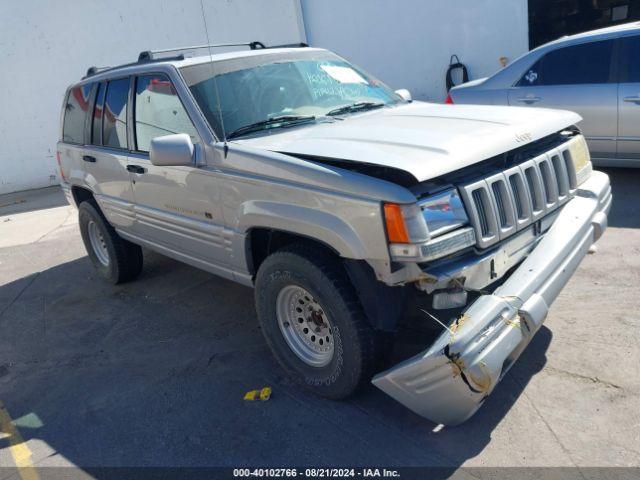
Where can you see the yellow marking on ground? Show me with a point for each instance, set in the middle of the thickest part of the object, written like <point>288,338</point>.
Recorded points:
<point>17,446</point>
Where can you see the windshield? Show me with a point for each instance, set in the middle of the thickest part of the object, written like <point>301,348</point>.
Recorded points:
<point>303,84</point>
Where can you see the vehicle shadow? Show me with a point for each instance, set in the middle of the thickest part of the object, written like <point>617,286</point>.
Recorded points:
<point>153,373</point>
<point>625,186</point>
<point>32,200</point>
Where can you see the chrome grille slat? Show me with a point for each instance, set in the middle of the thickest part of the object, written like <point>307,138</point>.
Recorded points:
<point>497,194</point>
<point>482,212</point>
<point>503,203</point>
<point>484,225</point>
<point>506,202</point>
<point>571,173</point>
<point>549,184</point>
<point>562,178</point>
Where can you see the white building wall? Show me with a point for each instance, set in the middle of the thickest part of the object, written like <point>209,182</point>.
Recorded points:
<point>408,43</point>
<point>46,45</point>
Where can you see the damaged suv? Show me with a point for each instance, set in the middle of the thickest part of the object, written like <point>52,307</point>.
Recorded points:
<point>294,172</point>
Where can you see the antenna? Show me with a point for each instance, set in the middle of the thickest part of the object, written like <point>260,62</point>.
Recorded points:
<point>215,81</point>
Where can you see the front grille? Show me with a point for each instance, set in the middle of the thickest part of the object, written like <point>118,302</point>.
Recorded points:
<point>506,202</point>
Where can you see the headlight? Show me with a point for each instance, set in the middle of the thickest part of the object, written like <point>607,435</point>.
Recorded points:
<point>581,160</point>
<point>425,231</point>
<point>443,212</point>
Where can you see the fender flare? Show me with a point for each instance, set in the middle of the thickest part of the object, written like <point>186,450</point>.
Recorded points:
<point>304,221</point>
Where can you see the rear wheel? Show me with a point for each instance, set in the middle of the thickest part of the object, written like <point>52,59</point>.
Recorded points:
<point>313,321</point>
<point>117,259</point>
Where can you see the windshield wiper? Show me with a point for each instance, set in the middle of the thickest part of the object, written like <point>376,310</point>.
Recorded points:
<point>355,107</point>
<point>280,121</point>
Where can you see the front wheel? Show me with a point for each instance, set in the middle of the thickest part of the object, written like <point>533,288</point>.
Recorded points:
<point>313,321</point>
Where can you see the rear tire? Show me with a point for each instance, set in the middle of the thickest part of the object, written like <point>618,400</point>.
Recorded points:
<point>307,307</point>
<point>117,259</point>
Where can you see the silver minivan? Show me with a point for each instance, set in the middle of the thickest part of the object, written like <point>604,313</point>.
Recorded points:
<point>596,74</point>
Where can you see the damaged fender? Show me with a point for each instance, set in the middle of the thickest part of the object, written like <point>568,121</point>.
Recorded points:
<point>448,382</point>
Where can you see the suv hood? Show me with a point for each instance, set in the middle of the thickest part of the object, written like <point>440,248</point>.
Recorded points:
<point>426,140</point>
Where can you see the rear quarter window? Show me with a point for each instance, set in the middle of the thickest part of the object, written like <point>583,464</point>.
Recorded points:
<point>588,63</point>
<point>75,114</point>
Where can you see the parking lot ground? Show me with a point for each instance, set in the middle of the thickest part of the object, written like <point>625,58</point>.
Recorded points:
<point>153,373</point>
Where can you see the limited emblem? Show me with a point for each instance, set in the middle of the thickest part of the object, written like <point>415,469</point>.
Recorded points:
<point>524,137</point>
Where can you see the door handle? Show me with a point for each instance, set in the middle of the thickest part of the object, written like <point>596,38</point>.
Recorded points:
<point>529,100</point>
<point>89,158</point>
<point>136,169</point>
<point>635,99</point>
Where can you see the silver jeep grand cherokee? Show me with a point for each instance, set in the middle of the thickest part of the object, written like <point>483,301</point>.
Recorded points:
<point>339,200</point>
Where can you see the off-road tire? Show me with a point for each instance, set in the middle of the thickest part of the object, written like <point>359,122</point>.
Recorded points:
<point>356,343</point>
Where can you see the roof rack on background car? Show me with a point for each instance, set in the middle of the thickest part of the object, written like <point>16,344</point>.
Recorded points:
<point>152,55</point>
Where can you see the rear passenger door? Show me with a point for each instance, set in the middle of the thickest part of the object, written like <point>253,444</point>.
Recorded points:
<point>106,155</point>
<point>580,78</point>
<point>77,110</point>
<point>629,100</point>
<point>177,211</point>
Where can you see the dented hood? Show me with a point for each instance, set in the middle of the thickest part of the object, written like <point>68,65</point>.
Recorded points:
<point>426,140</point>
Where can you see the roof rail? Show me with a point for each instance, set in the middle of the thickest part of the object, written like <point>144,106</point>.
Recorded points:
<point>151,54</point>
<point>93,70</point>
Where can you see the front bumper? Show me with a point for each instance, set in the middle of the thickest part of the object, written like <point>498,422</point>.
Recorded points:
<point>448,382</point>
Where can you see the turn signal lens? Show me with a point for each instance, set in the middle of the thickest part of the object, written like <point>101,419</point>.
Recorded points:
<point>405,223</point>
<point>396,229</point>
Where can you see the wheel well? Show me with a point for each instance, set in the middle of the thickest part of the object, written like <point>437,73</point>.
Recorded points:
<point>81,194</point>
<point>264,241</point>
<point>383,305</point>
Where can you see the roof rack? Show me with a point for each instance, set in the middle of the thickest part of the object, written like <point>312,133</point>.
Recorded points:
<point>94,70</point>
<point>149,55</point>
<point>152,55</point>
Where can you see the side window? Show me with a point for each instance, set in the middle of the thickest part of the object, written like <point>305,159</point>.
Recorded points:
<point>75,114</point>
<point>629,60</point>
<point>96,126</point>
<point>114,118</point>
<point>588,63</point>
<point>159,111</point>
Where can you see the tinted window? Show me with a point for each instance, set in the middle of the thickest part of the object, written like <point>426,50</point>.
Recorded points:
<point>630,59</point>
<point>96,128</point>
<point>114,119</point>
<point>75,114</point>
<point>158,111</point>
<point>579,64</point>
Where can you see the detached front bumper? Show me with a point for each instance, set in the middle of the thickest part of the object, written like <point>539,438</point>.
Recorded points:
<point>448,382</point>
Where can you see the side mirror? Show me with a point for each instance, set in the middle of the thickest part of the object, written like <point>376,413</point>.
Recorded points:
<point>171,150</point>
<point>405,94</point>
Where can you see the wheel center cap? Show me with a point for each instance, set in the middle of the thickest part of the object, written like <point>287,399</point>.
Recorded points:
<point>316,318</point>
